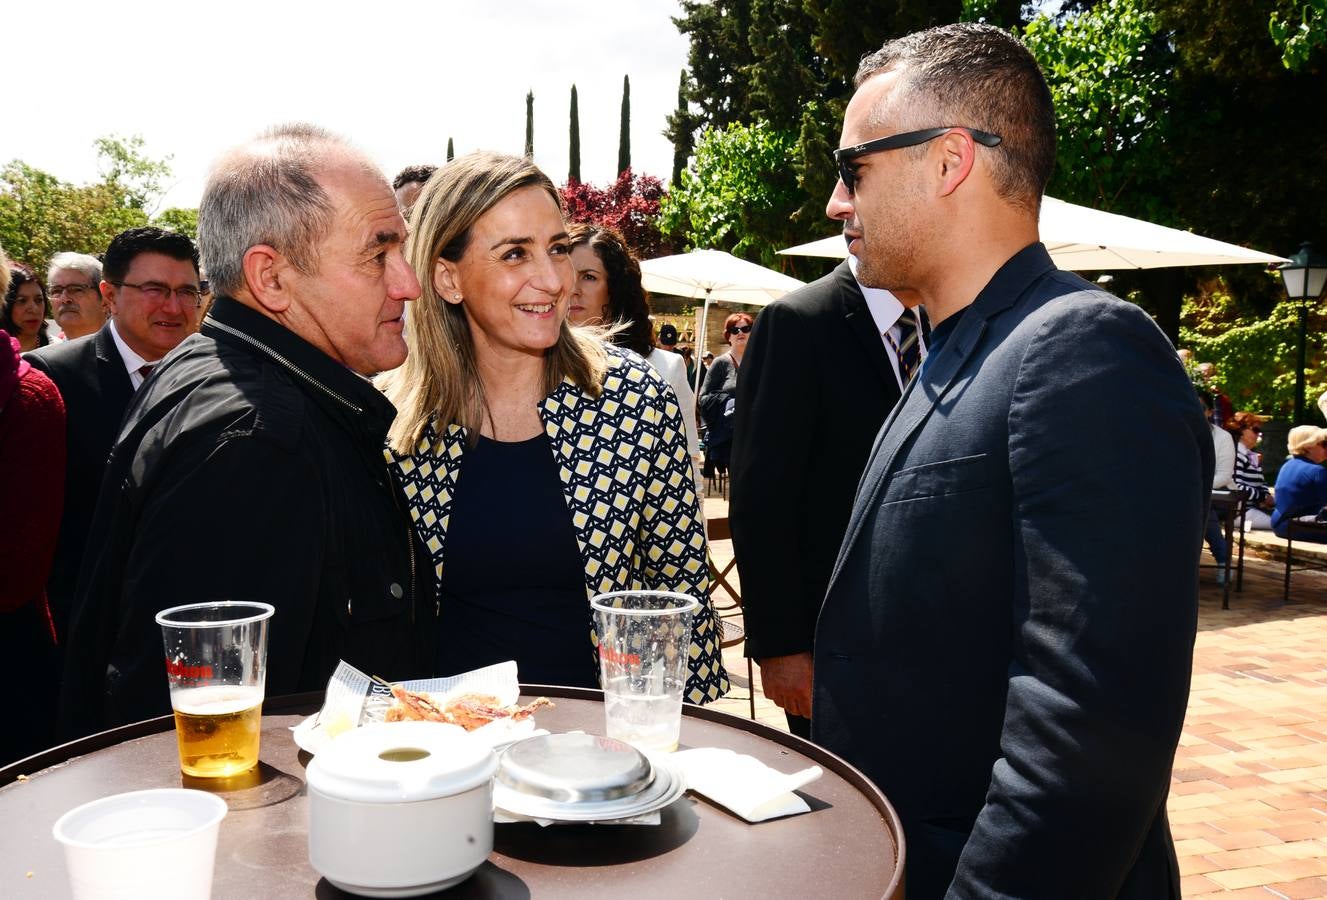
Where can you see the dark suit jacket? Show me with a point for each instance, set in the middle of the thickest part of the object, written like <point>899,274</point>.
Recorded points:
<point>1006,643</point>
<point>814,387</point>
<point>96,389</point>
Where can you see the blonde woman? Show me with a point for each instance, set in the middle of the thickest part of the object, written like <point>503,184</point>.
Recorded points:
<point>542,466</point>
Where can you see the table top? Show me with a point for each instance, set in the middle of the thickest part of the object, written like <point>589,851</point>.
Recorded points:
<point>849,845</point>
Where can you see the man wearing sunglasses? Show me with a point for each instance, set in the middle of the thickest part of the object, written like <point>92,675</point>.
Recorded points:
<point>1001,647</point>
<point>149,283</point>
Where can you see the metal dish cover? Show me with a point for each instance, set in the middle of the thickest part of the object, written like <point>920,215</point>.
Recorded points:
<point>574,768</point>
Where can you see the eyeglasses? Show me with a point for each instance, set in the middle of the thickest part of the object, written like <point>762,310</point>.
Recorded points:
<point>156,292</point>
<point>739,329</point>
<point>73,290</point>
<point>845,156</point>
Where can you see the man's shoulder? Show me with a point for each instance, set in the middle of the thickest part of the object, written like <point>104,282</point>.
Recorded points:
<point>1064,305</point>
<point>66,359</point>
<point>822,297</point>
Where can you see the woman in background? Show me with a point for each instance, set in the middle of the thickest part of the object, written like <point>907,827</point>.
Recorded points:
<point>609,292</point>
<point>1301,485</point>
<point>542,466</point>
<point>26,309</point>
<point>718,394</point>
<point>1246,428</point>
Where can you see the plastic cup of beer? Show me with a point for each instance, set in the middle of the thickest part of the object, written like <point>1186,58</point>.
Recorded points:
<point>644,643</point>
<point>216,663</point>
<point>142,845</point>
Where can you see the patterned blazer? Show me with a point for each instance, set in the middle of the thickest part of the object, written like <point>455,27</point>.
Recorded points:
<point>630,491</point>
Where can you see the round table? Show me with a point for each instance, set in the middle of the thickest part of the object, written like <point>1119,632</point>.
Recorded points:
<point>849,845</point>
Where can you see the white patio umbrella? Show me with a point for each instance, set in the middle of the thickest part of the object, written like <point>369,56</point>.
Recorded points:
<point>1081,239</point>
<point>713,275</point>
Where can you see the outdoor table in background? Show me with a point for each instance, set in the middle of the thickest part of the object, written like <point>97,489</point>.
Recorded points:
<point>849,844</point>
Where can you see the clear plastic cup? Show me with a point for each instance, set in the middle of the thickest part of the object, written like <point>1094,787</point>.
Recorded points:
<point>644,644</point>
<point>216,662</point>
<point>142,845</point>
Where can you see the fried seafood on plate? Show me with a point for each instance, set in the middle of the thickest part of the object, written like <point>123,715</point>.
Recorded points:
<point>470,711</point>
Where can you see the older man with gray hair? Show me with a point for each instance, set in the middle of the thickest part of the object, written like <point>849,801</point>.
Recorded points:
<point>250,465</point>
<point>73,282</point>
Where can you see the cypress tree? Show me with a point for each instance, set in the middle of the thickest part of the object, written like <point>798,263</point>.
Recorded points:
<point>451,150</point>
<point>529,124</point>
<point>624,136</point>
<point>574,149</point>
<point>681,130</point>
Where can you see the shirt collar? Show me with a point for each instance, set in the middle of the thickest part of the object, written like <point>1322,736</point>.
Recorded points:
<point>885,308</point>
<point>132,361</point>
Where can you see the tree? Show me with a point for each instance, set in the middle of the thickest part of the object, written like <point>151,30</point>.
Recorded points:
<point>630,205</point>
<point>1298,41</point>
<point>738,194</point>
<point>529,124</point>
<point>178,219</point>
<point>41,215</point>
<point>624,130</point>
<point>681,130</point>
<point>451,150</point>
<point>574,147</point>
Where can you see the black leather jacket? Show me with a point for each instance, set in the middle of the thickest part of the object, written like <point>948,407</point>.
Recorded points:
<point>249,467</point>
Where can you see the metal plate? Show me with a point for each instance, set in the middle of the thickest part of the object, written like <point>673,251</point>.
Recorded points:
<point>574,768</point>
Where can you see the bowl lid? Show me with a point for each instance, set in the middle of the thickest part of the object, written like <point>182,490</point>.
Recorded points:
<point>399,762</point>
<point>574,768</point>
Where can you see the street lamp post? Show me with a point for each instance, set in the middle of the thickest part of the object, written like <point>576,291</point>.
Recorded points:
<point>1304,276</point>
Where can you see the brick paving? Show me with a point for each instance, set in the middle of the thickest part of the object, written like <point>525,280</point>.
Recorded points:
<point>1248,800</point>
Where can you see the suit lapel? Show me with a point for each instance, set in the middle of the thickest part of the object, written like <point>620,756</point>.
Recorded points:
<point>862,325</point>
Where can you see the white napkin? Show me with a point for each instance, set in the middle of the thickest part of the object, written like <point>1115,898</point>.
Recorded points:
<point>744,784</point>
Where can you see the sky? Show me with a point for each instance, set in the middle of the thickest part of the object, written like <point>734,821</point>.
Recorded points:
<point>397,78</point>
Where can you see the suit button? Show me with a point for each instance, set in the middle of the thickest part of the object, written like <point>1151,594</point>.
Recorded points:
<point>396,590</point>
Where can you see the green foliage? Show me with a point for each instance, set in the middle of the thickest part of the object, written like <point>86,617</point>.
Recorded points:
<point>738,194</point>
<point>40,215</point>
<point>178,219</point>
<point>1109,70</point>
<point>574,140</point>
<point>1255,357</point>
<point>681,130</point>
<point>529,124</point>
<point>624,129</point>
<point>1298,40</point>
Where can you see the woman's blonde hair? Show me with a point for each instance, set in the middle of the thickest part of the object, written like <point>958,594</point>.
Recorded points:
<point>440,376</point>
<point>1302,437</point>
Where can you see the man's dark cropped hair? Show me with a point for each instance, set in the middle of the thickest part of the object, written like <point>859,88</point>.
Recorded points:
<point>148,239</point>
<point>421,173</point>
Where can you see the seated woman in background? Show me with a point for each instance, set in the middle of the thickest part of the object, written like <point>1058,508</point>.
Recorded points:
<point>1301,485</point>
<point>542,466</point>
<point>26,309</point>
<point>609,292</point>
<point>1246,428</point>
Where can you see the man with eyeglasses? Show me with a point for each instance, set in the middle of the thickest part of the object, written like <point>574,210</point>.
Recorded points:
<point>150,287</point>
<point>73,283</point>
<point>1002,647</point>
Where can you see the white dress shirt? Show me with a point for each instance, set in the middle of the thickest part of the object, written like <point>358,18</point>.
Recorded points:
<point>885,310</point>
<point>132,361</point>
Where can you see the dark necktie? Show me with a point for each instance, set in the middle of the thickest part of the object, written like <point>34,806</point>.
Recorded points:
<point>146,370</point>
<point>907,348</point>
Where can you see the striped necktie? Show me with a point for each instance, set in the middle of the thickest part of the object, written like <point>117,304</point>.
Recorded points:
<point>907,348</point>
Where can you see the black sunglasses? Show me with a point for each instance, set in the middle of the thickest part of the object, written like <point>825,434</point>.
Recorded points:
<point>740,329</point>
<point>845,156</point>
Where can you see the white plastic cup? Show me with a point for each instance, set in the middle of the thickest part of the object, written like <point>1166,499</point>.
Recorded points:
<point>644,645</point>
<point>142,845</point>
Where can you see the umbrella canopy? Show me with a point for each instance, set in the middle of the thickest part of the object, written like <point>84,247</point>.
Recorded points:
<point>712,275</point>
<point>1081,239</point>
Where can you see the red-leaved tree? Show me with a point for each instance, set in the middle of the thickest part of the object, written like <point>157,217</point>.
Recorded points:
<point>630,205</point>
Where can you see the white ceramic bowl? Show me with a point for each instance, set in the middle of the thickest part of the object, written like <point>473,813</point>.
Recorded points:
<point>400,809</point>
<point>143,844</point>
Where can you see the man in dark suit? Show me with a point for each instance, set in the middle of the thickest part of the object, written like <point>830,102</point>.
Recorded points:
<point>1005,647</point>
<point>150,284</point>
<point>814,388</point>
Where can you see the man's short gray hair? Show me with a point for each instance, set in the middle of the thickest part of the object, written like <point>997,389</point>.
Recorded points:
<point>89,266</point>
<point>267,192</point>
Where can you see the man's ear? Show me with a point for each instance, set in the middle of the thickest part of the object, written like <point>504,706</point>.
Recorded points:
<point>267,275</point>
<point>107,297</point>
<point>447,281</point>
<point>958,152</point>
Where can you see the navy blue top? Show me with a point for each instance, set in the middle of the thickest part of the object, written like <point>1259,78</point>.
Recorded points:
<point>940,334</point>
<point>513,583</point>
<point>1301,490</point>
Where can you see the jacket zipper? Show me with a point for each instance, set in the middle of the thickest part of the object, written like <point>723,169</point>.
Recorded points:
<point>284,362</point>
